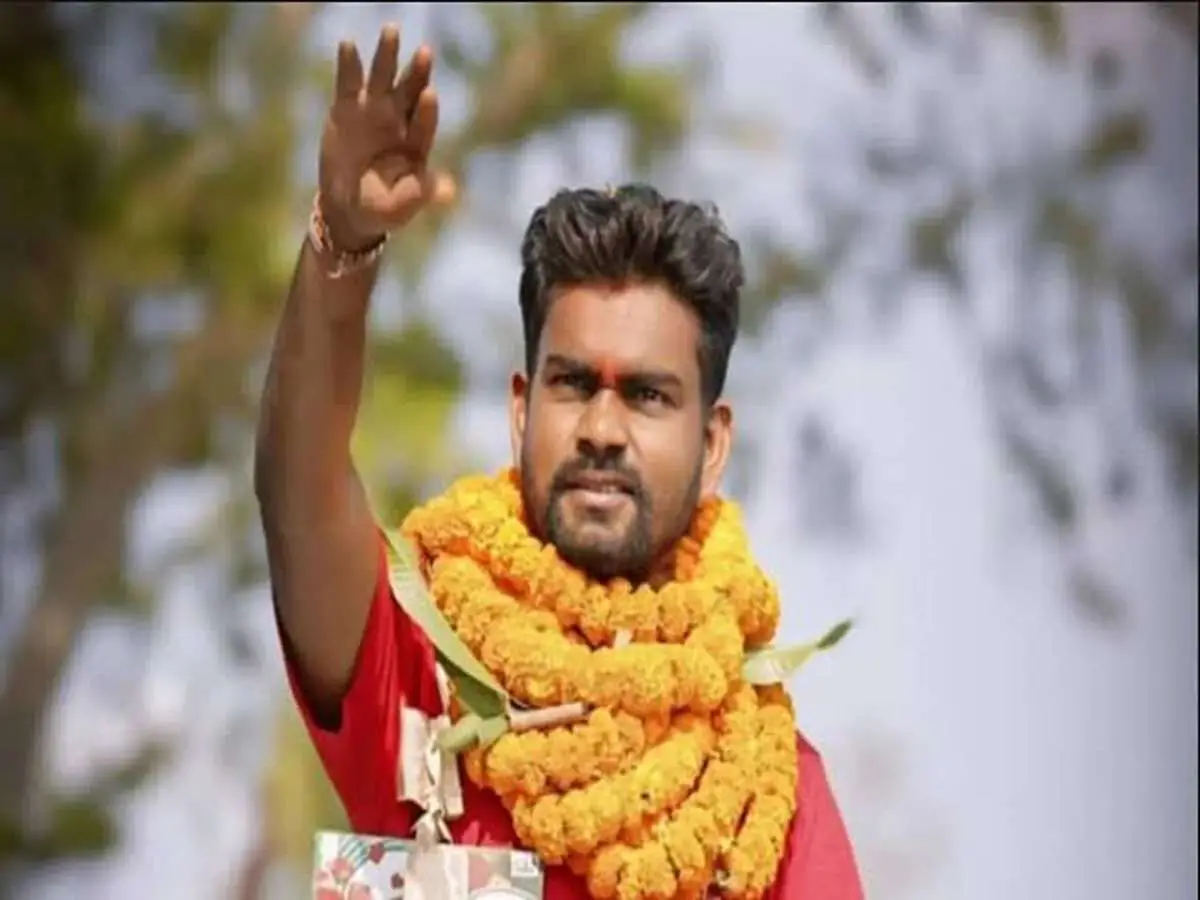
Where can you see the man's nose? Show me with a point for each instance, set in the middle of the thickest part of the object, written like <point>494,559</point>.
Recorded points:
<point>603,431</point>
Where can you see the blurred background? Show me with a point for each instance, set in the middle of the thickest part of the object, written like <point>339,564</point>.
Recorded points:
<point>966,397</point>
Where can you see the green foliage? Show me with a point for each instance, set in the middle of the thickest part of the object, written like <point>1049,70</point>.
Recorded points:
<point>48,187</point>
<point>932,236</point>
<point>119,214</point>
<point>775,272</point>
<point>77,828</point>
<point>412,389</point>
<point>551,63</point>
<point>1063,193</point>
<point>1119,138</point>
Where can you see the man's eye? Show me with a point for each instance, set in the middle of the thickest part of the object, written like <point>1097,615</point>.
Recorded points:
<point>649,395</point>
<point>569,379</point>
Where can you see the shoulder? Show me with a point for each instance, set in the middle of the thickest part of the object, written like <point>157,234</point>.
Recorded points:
<point>819,861</point>
<point>812,765</point>
<point>814,794</point>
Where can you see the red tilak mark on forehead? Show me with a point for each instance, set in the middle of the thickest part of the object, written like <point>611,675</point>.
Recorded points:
<point>609,374</point>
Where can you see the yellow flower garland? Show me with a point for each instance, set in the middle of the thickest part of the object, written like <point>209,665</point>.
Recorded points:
<point>682,777</point>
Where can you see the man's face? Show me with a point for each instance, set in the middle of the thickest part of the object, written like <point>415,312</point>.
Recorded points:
<point>614,441</point>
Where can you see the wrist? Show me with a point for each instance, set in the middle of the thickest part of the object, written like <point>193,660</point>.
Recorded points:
<point>346,248</point>
<point>340,233</point>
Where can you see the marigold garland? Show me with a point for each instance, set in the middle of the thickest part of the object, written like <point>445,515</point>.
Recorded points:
<point>682,777</point>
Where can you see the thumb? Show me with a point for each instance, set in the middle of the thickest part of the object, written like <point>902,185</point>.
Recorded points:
<point>410,194</point>
<point>438,188</point>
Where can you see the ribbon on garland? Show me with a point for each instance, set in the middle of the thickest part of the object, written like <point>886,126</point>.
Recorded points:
<point>489,711</point>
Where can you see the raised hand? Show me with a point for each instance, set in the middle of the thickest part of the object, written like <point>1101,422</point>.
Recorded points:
<point>373,173</point>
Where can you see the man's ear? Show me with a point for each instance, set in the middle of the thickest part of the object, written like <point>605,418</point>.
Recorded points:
<point>718,441</point>
<point>518,410</point>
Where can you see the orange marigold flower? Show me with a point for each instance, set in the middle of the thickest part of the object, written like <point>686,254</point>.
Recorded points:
<point>682,776</point>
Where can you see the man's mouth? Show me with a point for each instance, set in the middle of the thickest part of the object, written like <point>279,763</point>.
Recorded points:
<point>601,484</point>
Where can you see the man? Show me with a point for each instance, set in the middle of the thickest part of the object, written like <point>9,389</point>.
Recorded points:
<point>629,303</point>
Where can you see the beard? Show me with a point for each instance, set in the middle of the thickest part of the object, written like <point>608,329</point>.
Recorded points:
<point>625,549</point>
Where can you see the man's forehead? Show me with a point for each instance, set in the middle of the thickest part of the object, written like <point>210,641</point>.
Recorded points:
<point>627,327</point>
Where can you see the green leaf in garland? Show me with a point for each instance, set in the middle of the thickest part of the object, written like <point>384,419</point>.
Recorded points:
<point>775,665</point>
<point>486,703</point>
<point>413,596</point>
<point>462,735</point>
<point>471,730</point>
<point>482,700</point>
<point>486,712</point>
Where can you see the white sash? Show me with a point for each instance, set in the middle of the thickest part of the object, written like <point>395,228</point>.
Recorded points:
<point>427,775</point>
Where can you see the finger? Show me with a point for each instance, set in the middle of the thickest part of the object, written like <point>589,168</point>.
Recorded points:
<point>439,188</point>
<point>410,194</point>
<point>374,191</point>
<point>383,66</point>
<point>414,80</point>
<point>349,79</point>
<point>424,124</point>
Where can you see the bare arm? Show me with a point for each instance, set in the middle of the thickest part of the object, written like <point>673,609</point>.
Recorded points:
<point>320,538</point>
<point>320,534</point>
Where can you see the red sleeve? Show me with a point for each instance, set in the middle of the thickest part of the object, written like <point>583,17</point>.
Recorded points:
<point>394,668</point>
<point>819,861</point>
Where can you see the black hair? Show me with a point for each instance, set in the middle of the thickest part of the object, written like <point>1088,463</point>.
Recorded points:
<point>628,233</point>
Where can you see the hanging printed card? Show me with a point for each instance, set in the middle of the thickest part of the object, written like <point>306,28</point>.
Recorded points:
<point>358,867</point>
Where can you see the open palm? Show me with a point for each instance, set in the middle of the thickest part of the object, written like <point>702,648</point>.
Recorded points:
<point>374,174</point>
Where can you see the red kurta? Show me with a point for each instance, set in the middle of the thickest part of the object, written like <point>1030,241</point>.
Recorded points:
<point>395,667</point>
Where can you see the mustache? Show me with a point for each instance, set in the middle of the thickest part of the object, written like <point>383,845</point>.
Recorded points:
<point>570,472</point>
